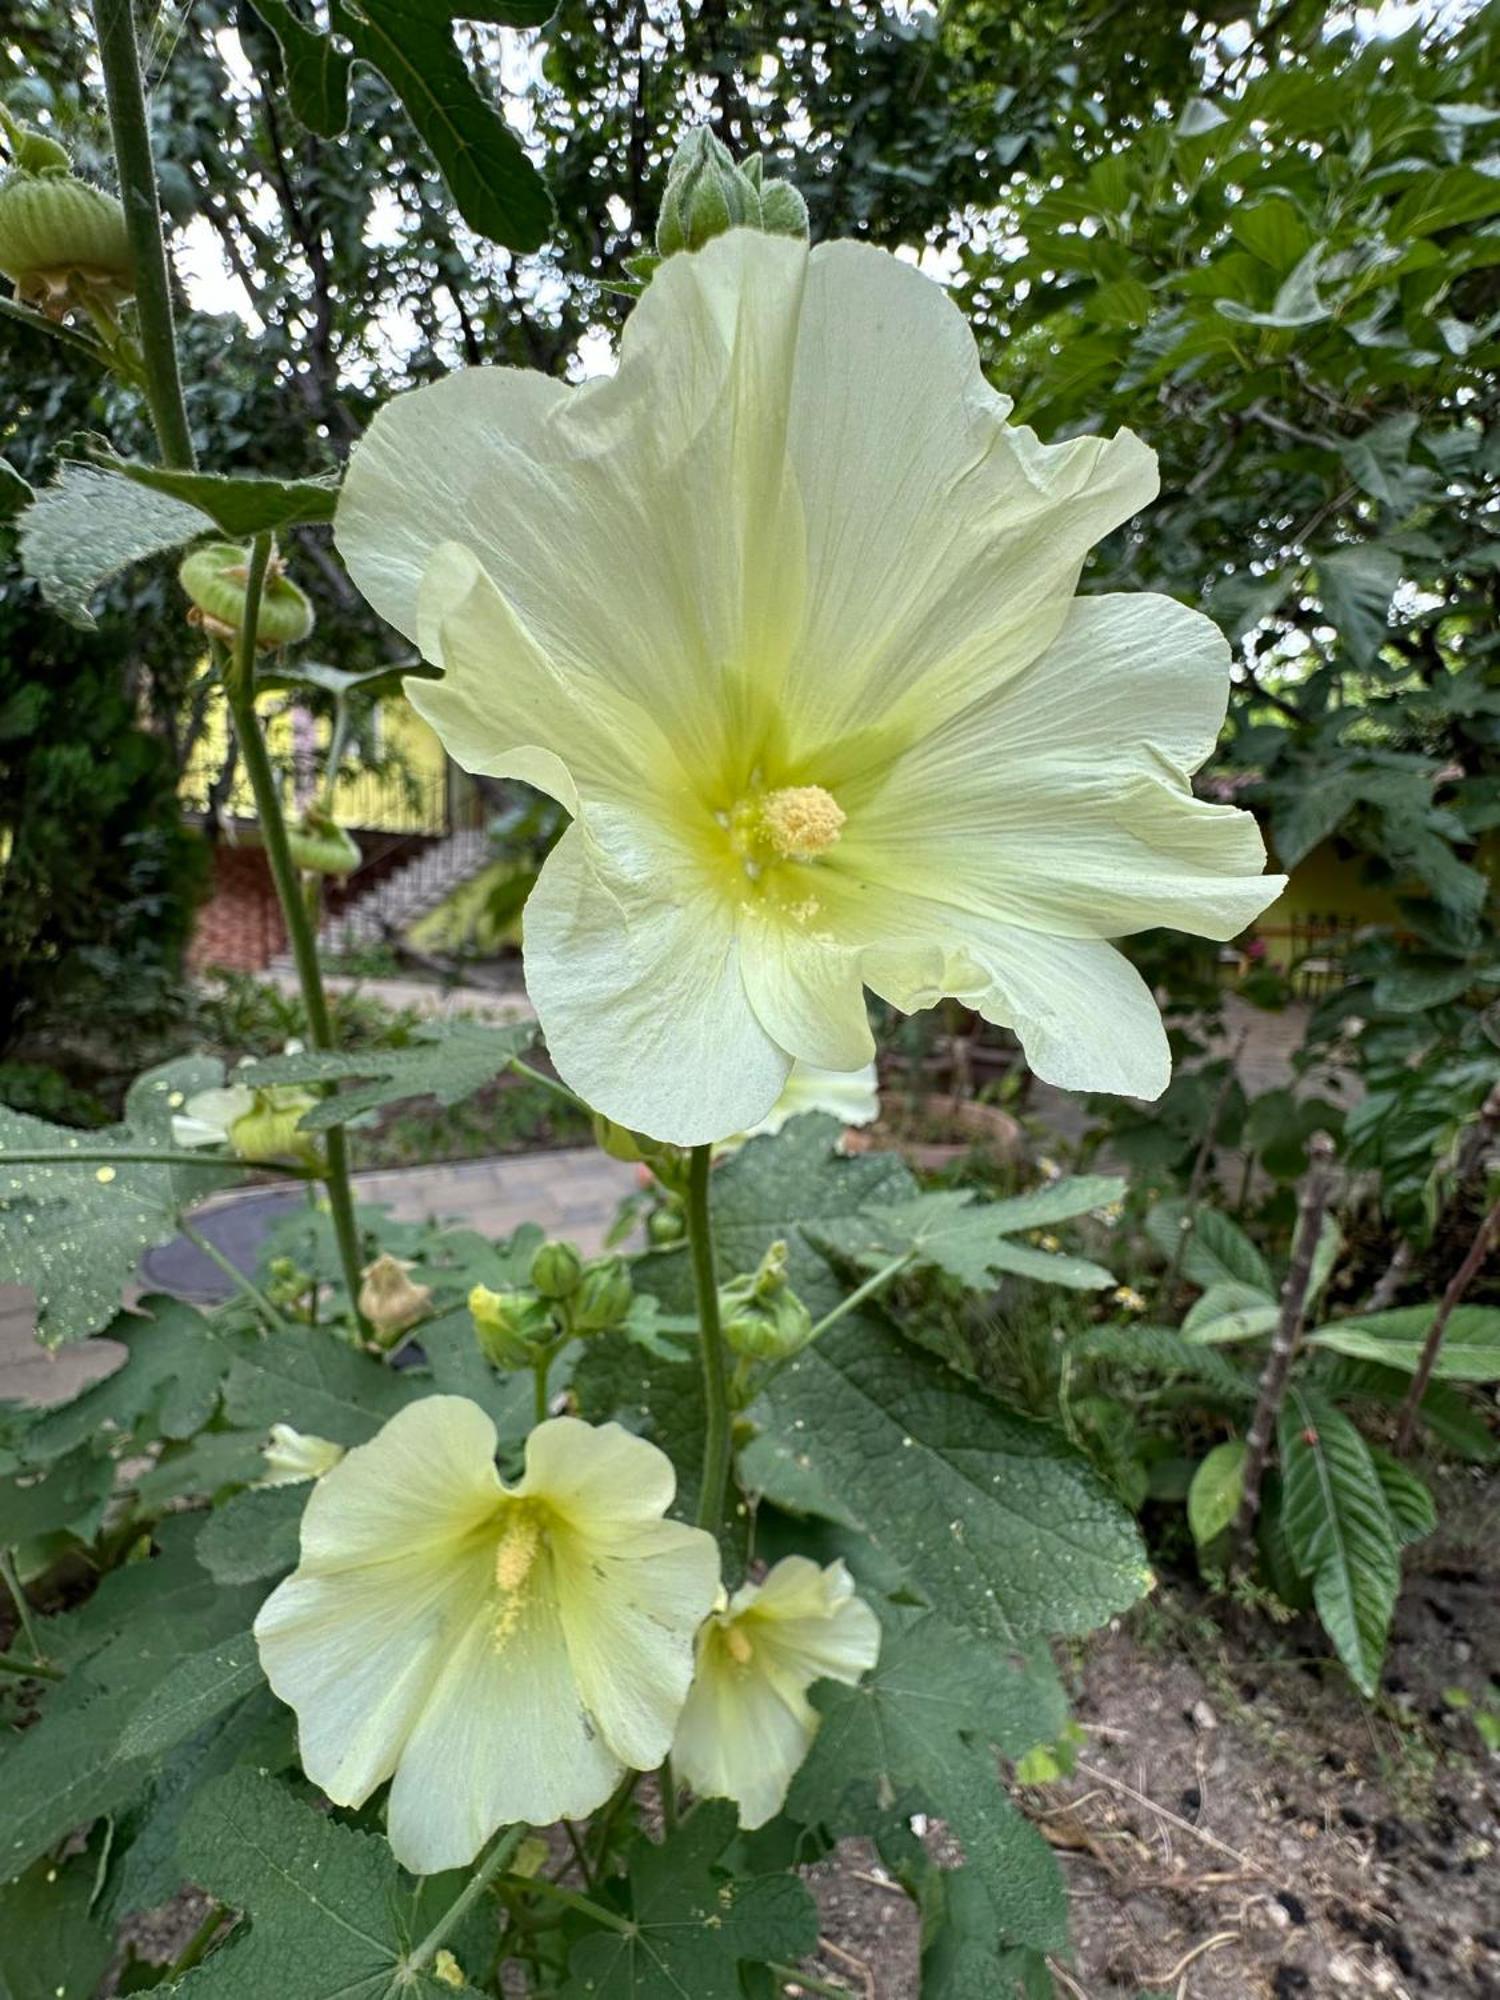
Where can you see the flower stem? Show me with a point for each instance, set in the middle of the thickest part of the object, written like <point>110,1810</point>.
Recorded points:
<point>138,1156</point>
<point>556,1893</point>
<point>494,1863</point>
<point>114,25</point>
<point>246,1286</point>
<point>540,1371</point>
<point>12,1663</point>
<point>717,1433</point>
<point>862,1292</point>
<point>239,681</point>
<point>23,1610</point>
<point>667,1786</point>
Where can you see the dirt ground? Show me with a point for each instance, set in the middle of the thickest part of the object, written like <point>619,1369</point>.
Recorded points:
<point>1240,1826</point>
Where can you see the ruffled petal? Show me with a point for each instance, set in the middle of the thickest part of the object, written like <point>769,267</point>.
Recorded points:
<point>740,1737</point>
<point>806,993</point>
<point>634,967</point>
<point>597,1475</point>
<point>504,1736</point>
<point>810,1622</point>
<point>423,1484</point>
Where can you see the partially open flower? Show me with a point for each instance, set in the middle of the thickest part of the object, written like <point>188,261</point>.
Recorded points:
<point>748,1724</point>
<point>502,1653</point>
<point>292,1456</point>
<point>390,1301</point>
<point>257,1126</point>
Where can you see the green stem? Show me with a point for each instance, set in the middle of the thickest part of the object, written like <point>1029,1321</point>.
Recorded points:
<point>239,681</point>
<point>136,1156</point>
<point>235,1275</point>
<point>81,343</point>
<point>197,1945</point>
<point>789,1975</point>
<point>552,1083</point>
<point>114,24</point>
<point>23,1610</point>
<point>494,1863</point>
<point>717,1430</point>
<point>862,1292</point>
<point>667,1786</point>
<point>12,1663</point>
<point>556,1893</point>
<point>579,1855</point>
<point>540,1370</point>
<point>604,1823</point>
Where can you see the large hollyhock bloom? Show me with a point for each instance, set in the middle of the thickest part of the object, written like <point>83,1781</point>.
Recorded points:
<point>783,614</point>
<point>501,1653</point>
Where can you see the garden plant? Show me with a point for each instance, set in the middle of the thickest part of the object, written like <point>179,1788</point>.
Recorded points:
<point>457,1615</point>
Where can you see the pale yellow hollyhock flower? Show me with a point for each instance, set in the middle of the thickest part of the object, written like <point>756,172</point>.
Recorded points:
<point>501,1653</point>
<point>783,613</point>
<point>748,1723</point>
<point>851,1096</point>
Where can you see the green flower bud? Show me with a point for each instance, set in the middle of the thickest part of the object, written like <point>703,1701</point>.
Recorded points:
<point>557,1270</point>
<point>321,847</point>
<point>603,1299</point>
<point>666,1226</point>
<point>62,241</point>
<point>514,1329</point>
<point>707,193</point>
<point>216,578</point>
<point>762,1316</point>
<point>668,1164</point>
<point>32,151</point>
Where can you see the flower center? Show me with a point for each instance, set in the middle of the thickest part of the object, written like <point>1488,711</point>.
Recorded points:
<point>738,1646</point>
<point>792,823</point>
<point>516,1555</point>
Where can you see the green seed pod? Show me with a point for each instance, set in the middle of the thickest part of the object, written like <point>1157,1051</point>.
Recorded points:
<point>216,577</point>
<point>61,240</point>
<point>321,847</point>
<point>514,1329</point>
<point>603,1298</point>
<point>557,1270</point>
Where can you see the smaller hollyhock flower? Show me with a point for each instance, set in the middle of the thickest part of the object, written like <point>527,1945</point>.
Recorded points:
<point>501,1653</point>
<point>748,1723</point>
<point>292,1456</point>
<point>851,1096</point>
<point>255,1125</point>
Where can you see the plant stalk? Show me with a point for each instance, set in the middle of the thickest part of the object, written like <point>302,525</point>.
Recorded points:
<point>717,1426</point>
<point>1458,1284</point>
<point>1316,1189</point>
<point>132,1156</point>
<point>572,1900</point>
<point>114,25</point>
<point>12,1663</point>
<point>494,1863</point>
<point>239,681</point>
<point>245,1286</point>
<point>12,1583</point>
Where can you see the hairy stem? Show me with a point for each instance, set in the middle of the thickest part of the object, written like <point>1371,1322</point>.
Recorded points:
<point>114,25</point>
<point>1316,1190</point>
<point>239,679</point>
<point>245,1286</point>
<point>717,1432</point>
<point>23,1610</point>
<point>1458,1284</point>
<point>494,1863</point>
<point>12,1663</point>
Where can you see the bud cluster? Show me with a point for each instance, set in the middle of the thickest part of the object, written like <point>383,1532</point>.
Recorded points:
<point>708,194</point>
<point>566,1299</point>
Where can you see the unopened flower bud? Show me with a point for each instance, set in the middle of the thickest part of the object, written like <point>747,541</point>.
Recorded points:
<point>783,212</point>
<point>557,1270</point>
<point>217,578</point>
<point>390,1301</point>
<point>666,1226</point>
<point>62,241</point>
<point>321,846</point>
<point>603,1298</point>
<point>296,1455</point>
<point>514,1329</point>
<point>762,1316</point>
<point>706,194</point>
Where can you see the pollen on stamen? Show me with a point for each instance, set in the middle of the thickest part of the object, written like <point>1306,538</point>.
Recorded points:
<point>801,821</point>
<point>739,1648</point>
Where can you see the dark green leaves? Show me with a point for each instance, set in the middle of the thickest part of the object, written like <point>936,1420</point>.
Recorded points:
<point>331,1916</point>
<point>1357,585</point>
<point>52,1945</point>
<point>971,1240</point>
<point>691,1923</point>
<point>238,505</point>
<point>88,525</point>
<point>446,1060</point>
<point>989,1518</point>
<point>167,1388</point>
<point>1471,1342</point>
<point>411,42</point>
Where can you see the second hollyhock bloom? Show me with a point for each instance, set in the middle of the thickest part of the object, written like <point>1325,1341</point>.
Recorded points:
<point>500,1653</point>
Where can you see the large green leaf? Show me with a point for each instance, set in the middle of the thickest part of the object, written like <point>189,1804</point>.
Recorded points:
<point>237,504</point>
<point>1443,200</point>
<point>1217,1252</point>
<point>175,1363</point>
<point>1230,1311</point>
<point>70,1494</point>
<point>971,1240</point>
<point>331,1915</point>
<point>254,1535</point>
<point>52,1944</point>
<point>448,1060</point>
<point>317,73</point>
<point>1214,1496</point>
<point>916,1732</point>
<point>1471,1342</point>
<point>88,525</point>
<point>195,1691</point>
<point>1357,585</point>
<point>1163,1351</point>
<point>312,1380</point>
<point>692,1923</point>
<point>1340,1531</point>
<point>75,1233</point>
<point>991,1519</point>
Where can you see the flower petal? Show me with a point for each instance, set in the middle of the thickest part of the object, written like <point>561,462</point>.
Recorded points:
<point>943,544</point>
<point>740,1737</point>
<point>597,1474</point>
<point>503,1737</point>
<point>424,1483</point>
<point>635,971</point>
<point>810,1621</point>
<point>807,993</point>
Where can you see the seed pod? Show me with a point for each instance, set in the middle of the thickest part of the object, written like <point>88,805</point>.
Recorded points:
<point>62,240</point>
<point>216,577</point>
<point>321,847</point>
